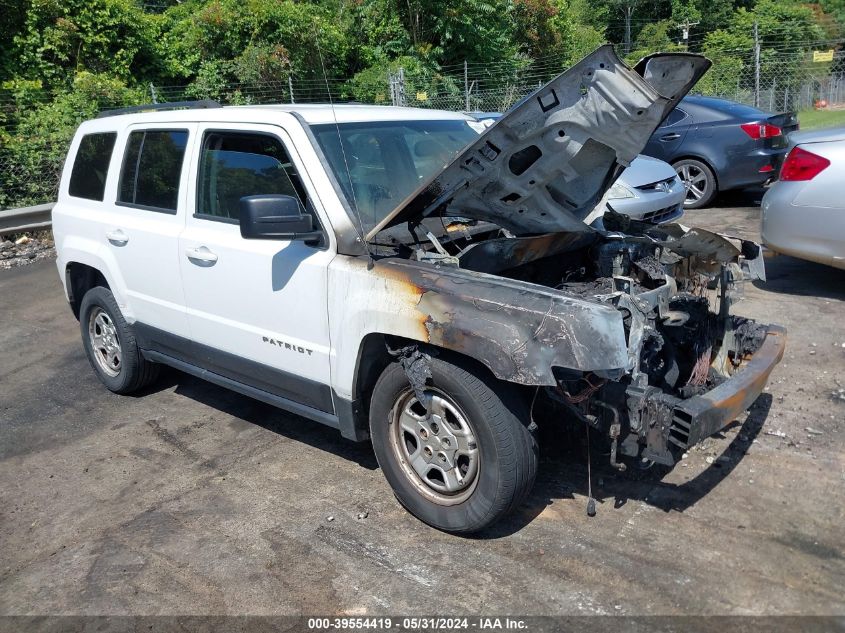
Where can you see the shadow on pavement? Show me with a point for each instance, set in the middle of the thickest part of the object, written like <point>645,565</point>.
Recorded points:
<point>739,198</point>
<point>266,416</point>
<point>563,449</point>
<point>787,275</point>
<point>563,474</point>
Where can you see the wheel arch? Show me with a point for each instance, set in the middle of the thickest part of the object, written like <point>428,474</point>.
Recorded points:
<point>374,357</point>
<point>79,279</point>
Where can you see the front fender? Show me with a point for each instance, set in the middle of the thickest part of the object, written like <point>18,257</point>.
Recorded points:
<point>520,331</point>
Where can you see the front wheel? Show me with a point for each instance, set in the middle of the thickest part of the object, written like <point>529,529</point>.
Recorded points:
<point>699,181</point>
<point>463,459</point>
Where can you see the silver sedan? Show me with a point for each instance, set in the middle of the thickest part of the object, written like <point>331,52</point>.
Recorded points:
<point>804,211</point>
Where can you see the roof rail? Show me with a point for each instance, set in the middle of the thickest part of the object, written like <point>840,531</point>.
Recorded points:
<point>173,105</point>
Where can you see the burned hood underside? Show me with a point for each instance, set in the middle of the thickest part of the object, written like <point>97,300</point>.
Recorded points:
<point>545,165</point>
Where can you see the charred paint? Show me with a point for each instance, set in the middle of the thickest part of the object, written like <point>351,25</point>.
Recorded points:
<point>517,330</point>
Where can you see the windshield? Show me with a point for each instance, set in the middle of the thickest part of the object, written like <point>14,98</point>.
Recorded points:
<point>389,160</point>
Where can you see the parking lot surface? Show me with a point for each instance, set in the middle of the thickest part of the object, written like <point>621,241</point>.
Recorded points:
<point>194,500</point>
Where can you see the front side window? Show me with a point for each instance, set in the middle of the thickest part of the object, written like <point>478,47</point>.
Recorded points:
<point>91,165</point>
<point>152,168</point>
<point>238,164</point>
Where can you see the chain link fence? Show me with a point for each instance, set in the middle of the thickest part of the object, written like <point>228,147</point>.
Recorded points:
<point>773,79</point>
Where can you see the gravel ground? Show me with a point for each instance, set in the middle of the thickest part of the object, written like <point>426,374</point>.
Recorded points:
<point>194,500</point>
<point>21,250</point>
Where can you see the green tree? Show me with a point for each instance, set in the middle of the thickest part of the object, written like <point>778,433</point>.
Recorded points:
<point>456,30</point>
<point>14,17</point>
<point>659,36</point>
<point>371,84</point>
<point>226,42</point>
<point>380,34</point>
<point>34,151</point>
<point>62,37</point>
<point>787,32</point>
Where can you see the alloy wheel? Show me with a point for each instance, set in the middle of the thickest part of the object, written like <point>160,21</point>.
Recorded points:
<point>695,182</point>
<point>436,446</point>
<point>104,342</point>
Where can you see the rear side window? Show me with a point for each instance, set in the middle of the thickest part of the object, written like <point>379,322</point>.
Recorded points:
<point>91,165</point>
<point>152,168</point>
<point>237,164</point>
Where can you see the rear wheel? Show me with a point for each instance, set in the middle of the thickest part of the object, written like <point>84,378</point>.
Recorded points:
<point>110,344</point>
<point>699,181</point>
<point>464,459</point>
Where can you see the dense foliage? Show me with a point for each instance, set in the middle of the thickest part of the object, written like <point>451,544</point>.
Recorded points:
<point>62,60</point>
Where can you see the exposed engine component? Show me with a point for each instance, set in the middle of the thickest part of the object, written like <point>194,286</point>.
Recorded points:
<point>749,335</point>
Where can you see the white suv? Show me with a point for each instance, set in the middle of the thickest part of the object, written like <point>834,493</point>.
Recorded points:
<point>411,277</point>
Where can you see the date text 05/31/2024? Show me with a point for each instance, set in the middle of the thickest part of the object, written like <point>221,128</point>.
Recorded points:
<point>418,623</point>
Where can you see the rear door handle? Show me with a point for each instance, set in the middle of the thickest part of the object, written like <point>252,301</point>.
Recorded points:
<point>201,256</point>
<point>670,137</point>
<point>117,237</point>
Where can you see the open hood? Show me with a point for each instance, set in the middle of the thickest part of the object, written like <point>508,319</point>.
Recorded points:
<point>543,167</point>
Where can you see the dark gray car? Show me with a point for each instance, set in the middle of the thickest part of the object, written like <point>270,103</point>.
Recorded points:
<point>716,145</point>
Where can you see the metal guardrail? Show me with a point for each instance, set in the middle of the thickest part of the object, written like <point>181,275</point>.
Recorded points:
<point>25,219</point>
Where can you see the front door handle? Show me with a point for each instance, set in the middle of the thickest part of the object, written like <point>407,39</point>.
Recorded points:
<point>670,137</point>
<point>117,237</point>
<point>201,256</point>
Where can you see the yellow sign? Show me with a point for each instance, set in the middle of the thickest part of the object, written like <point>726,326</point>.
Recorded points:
<point>422,96</point>
<point>823,56</point>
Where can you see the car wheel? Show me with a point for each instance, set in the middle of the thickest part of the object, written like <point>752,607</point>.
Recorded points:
<point>699,182</point>
<point>466,459</point>
<point>110,344</point>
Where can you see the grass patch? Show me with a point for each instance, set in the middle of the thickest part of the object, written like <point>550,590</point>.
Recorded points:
<point>814,119</point>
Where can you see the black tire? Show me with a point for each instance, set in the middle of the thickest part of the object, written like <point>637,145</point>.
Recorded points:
<point>134,371</point>
<point>697,173</point>
<point>507,446</point>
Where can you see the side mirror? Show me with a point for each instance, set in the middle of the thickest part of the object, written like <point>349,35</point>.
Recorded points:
<point>276,217</point>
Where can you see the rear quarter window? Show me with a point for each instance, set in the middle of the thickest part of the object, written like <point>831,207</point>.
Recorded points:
<point>91,166</point>
<point>675,116</point>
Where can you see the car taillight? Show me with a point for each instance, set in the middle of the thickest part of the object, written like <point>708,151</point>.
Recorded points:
<point>761,130</point>
<point>802,165</point>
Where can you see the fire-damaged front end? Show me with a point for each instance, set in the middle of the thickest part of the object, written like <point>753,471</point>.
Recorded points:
<point>629,330</point>
<point>503,258</point>
<point>692,366</point>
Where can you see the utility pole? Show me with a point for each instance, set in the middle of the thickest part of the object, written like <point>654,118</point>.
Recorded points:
<point>627,8</point>
<point>400,87</point>
<point>685,27</point>
<point>397,87</point>
<point>756,66</point>
<point>466,87</point>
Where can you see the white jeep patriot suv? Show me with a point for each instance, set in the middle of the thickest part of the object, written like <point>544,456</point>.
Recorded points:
<point>410,277</point>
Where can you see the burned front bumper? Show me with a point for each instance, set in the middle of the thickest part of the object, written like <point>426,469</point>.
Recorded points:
<point>701,416</point>
<point>671,425</point>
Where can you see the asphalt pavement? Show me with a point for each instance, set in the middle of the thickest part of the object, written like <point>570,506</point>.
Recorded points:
<point>190,499</point>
